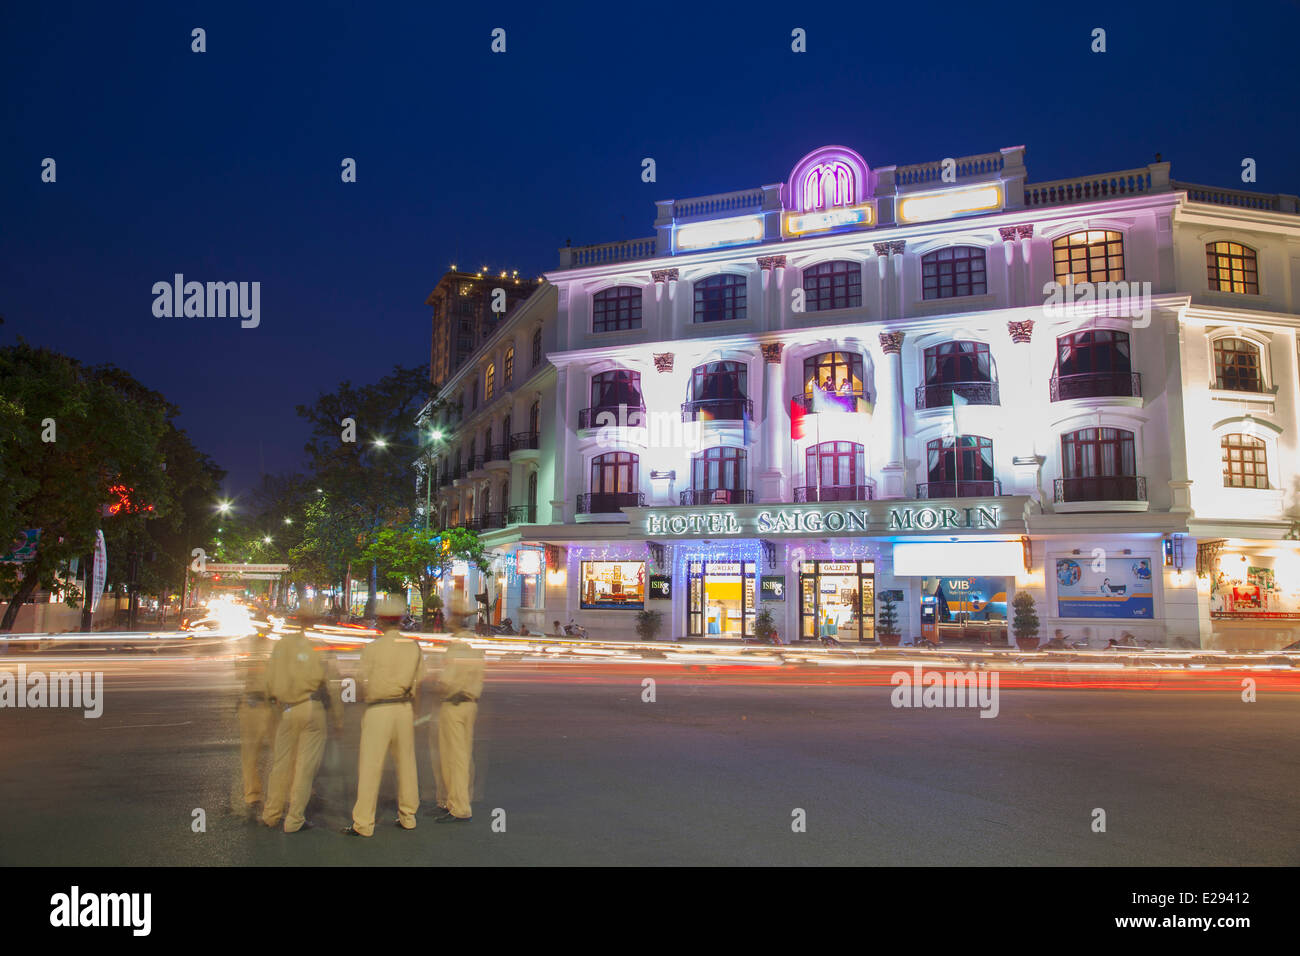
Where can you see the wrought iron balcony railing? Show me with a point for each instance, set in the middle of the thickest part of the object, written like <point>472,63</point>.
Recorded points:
<point>523,440</point>
<point>959,489</point>
<point>1102,488</point>
<point>833,401</point>
<point>492,519</point>
<point>939,394</point>
<point>609,502</point>
<point>1096,385</point>
<point>498,453</point>
<point>717,496</point>
<point>475,464</point>
<point>522,514</point>
<point>812,493</point>
<point>612,416</point>
<point>718,410</point>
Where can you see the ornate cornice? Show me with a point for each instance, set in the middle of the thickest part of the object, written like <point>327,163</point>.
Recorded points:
<point>1021,332</point>
<point>891,342</point>
<point>664,360</point>
<point>664,275</point>
<point>772,352</point>
<point>771,262</point>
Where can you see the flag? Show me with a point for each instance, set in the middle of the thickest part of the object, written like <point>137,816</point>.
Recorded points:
<point>798,427</point>
<point>957,402</point>
<point>821,400</point>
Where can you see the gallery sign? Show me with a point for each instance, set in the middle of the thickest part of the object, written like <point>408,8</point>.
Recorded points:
<point>867,519</point>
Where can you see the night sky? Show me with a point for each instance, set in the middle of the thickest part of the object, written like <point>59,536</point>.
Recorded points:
<point>225,165</point>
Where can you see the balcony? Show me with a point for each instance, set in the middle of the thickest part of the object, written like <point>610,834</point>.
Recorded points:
<point>718,410</point>
<point>1096,385</point>
<point>631,416</point>
<point>472,524</point>
<point>855,401</point>
<point>499,453</point>
<point>1101,488</point>
<point>810,494</point>
<point>475,464</point>
<point>491,520</point>
<point>523,441</point>
<point>522,514</point>
<point>939,394</point>
<point>609,502</point>
<point>717,496</point>
<point>959,489</point>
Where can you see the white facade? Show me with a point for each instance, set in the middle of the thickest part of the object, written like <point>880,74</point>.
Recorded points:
<point>1094,430</point>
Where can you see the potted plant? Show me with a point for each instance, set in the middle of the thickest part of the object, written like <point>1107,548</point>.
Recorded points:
<point>887,621</point>
<point>765,627</point>
<point>648,625</point>
<point>1025,621</point>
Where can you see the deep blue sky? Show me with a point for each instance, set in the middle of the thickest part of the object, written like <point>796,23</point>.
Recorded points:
<point>225,165</point>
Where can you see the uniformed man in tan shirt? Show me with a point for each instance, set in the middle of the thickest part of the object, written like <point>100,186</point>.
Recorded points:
<point>257,718</point>
<point>391,669</point>
<point>460,686</point>
<point>299,682</point>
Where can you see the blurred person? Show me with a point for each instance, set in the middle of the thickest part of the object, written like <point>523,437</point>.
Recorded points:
<point>460,685</point>
<point>258,720</point>
<point>559,629</point>
<point>299,682</point>
<point>391,669</point>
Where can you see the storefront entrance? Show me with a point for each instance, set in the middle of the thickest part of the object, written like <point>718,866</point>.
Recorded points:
<point>838,599</point>
<point>722,595</point>
<point>967,609</point>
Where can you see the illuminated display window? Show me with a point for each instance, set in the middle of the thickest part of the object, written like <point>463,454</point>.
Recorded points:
<point>832,285</point>
<point>952,272</point>
<point>1091,256</point>
<point>613,584</point>
<point>615,310</point>
<point>1231,268</point>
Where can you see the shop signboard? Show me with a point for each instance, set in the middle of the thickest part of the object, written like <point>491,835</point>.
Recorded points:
<point>871,518</point>
<point>23,547</point>
<point>1117,589</point>
<point>661,587</point>
<point>772,588</point>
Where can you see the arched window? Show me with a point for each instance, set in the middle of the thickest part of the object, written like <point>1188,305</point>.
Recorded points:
<point>954,271</point>
<point>718,476</point>
<point>1231,268</point>
<point>832,285</point>
<point>1245,461</point>
<point>1093,363</point>
<point>959,467</point>
<point>614,471</point>
<point>834,471</point>
<point>963,368</point>
<point>617,309</point>
<point>717,391</point>
<point>1237,365</point>
<point>505,430</point>
<point>1099,464</point>
<point>537,348</point>
<point>535,418</point>
<point>508,367</point>
<point>490,382</point>
<point>1094,255</point>
<point>616,387</point>
<point>720,298</point>
<point>532,490</point>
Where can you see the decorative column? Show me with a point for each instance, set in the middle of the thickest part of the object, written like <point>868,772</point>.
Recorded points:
<point>882,285</point>
<point>663,303</point>
<point>893,484</point>
<point>1014,289</point>
<point>771,475</point>
<point>896,247</point>
<point>1026,235</point>
<point>1025,461</point>
<point>772,269</point>
<point>565,461</point>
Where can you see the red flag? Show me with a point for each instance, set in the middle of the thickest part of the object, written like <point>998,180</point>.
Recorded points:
<point>798,427</point>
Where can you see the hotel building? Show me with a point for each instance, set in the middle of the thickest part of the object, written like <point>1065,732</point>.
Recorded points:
<point>925,386</point>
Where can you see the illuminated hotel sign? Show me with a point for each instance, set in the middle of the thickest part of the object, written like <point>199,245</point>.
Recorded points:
<point>862,521</point>
<point>718,232</point>
<point>949,203</point>
<point>802,223</point>
<point>829,189</point>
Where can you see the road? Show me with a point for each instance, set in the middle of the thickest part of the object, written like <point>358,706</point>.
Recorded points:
<point>581,770</point>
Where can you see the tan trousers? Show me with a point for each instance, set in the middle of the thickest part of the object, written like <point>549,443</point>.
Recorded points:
<point>299,746</point>
<point>257,725</point>
<point>456,756</point>
<point>386,729</point>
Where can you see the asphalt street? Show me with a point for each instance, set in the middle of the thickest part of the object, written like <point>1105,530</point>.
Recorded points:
<point>576,768</point>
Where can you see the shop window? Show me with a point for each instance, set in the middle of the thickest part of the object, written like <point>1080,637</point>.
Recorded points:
<point>1094,255</point>
<point>1231,268</point>
<point>720,298</point>
<point>837,600</point>
<point>1245,461</point>
<point>613,584</point>
<point>959,467</point>
<point>1237,365</point>
<point>832,285</point>
<point>954,271</point>
<point>617,309</point>
<point>721,598</point>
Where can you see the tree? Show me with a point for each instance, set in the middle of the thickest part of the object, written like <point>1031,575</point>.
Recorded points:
<point>1024,620</point>
<point>70,434</point>
<point>358,434</point>
<point>415,556</point>
<point>887,618</point>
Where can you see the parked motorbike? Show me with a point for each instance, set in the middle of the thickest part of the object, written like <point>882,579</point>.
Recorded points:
<point>574,629</point>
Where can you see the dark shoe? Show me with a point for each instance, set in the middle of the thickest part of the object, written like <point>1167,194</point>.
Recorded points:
<point>449,818</point>
<point>436,812</point>
<point>351,831</point>
<point>306,825</point>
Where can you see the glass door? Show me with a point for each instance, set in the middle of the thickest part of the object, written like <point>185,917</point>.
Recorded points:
<point>695,603</point>
<point>808,607</point>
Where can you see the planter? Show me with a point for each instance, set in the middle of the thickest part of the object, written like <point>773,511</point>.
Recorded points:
<point>1027,643</point>
<point>890,640</point>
